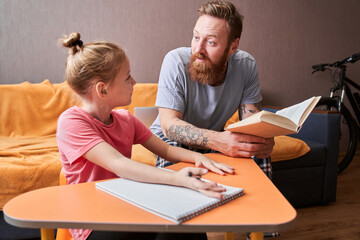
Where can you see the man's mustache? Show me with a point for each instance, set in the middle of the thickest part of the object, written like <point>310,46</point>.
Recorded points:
<point>201,56</point>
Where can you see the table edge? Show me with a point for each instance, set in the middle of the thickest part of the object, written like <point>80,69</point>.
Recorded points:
<point>146,227</point>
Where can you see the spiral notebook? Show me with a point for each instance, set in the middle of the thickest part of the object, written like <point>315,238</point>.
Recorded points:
<point>177,204</point>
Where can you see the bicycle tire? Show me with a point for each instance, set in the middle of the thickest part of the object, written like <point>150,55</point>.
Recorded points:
<point>330,104</point>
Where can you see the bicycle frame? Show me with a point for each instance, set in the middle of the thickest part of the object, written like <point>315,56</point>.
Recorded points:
<point>345,89</point>
<point>350,124</point>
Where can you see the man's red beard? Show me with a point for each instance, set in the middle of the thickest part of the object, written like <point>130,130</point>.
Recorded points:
<point>205,72</point>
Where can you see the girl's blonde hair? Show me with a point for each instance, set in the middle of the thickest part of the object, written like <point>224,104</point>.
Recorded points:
<point>91,62</point>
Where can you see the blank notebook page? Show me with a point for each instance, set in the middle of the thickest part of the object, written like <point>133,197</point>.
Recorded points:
<point>174,203</point>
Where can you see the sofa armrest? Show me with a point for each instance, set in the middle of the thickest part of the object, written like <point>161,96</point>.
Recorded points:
<point>323,127</point>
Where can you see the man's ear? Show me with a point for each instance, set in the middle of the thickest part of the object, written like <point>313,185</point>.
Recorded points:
<point>100,88</point>
<point>234,46</point>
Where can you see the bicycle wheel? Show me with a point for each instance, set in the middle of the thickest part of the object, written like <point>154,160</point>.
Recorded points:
<point>348,131</point>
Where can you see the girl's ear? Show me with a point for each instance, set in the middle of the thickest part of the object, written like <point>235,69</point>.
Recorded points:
<point>100,88</point>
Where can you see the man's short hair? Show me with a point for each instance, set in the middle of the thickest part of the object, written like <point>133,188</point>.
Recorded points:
<point>227,11</point>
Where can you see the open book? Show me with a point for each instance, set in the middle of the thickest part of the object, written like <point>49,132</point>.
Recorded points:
<point>267,124</point>
<point>177,204</point>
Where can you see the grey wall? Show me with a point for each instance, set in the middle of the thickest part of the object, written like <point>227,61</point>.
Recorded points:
<point>286,37</point>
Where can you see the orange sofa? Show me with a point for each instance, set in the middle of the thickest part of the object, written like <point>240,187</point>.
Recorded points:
<point>29,157</point>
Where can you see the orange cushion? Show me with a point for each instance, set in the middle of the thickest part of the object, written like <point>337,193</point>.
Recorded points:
<point>141,154</point>
<point>233,119</point>
<point>144,95</point>
<point>287,148</point>
<point>33,109</point>
<point>27,163</point>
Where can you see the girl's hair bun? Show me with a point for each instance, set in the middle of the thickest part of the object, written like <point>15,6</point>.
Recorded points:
<point>73,42</point>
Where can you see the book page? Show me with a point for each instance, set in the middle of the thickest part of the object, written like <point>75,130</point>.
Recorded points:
<point>251,119</point>
<point>295,112</point>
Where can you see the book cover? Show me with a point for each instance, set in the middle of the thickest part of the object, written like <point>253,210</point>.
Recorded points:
<point>177,204</point>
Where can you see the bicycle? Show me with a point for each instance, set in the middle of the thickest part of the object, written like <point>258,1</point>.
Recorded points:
<point>349,125</point>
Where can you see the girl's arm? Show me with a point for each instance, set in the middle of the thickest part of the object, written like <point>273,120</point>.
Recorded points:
<point>178,154</point>
<point>106,156</point>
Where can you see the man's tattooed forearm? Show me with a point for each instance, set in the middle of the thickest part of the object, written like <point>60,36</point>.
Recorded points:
<point>187,135</point>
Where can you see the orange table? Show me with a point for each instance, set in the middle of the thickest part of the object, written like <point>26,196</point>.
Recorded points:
<point>262,209</point>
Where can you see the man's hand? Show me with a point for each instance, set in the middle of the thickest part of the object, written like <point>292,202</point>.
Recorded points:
<point>242,145</point>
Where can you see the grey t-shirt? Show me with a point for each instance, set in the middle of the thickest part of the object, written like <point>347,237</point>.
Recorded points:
<point>205,106</point>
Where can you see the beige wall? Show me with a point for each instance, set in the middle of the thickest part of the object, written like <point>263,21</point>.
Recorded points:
<point>286,37</point>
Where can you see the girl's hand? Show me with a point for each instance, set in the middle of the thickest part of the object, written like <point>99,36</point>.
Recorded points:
<point>191,178</point>
<point>216,167</point>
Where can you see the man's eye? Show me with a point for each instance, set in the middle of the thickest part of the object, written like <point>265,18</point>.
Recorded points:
<point>210,42</point>
<point>196,37</point>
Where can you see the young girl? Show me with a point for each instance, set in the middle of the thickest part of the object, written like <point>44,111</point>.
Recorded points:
<point>95,141</point>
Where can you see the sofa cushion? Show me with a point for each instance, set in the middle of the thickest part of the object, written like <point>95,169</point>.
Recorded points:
<point>315,157</point>
<point>33,109</point>
<point>287,148</point>
<point>144,95</point>
<point>141,154</point>
<point>27,163</point>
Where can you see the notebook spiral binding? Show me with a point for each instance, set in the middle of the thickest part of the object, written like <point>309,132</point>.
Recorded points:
<point>187,216</point>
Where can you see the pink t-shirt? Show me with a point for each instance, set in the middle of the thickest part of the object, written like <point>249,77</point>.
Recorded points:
<point>78,132</point>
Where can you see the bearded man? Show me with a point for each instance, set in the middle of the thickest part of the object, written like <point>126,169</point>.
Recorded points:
<point>201,87</point>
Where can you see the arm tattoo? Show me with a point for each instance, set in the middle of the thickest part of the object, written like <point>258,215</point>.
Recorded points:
<point>243,108</point>
<point>258,106</point>
<point>187,135</point>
